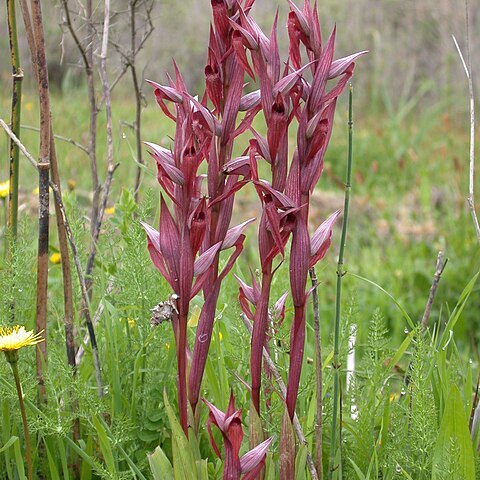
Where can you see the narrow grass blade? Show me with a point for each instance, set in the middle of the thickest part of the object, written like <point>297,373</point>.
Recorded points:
<point>160,465</point>
<point>454,448</point>
<point>407,317</point>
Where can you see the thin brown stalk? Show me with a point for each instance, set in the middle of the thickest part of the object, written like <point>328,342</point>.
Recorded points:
<point>62,236</point>
<point>73,247</point>
<point>93,117</point>
<point>40,64</point>
<point>283,394</point>
<point>433,289</point>
<point>318,374</point>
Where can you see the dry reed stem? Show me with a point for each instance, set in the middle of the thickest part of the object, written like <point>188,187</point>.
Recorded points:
<point>40,65</point>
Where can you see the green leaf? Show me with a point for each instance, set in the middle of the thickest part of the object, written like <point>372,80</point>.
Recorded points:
<point>454,447</point>
<point>359,473</point>
<point>183,459</point>
<point>160,465</point>
<point>10,442</point>
<point>301,463</point>
<point>105,447</point>
<point>407,317</point>
<point>462,301</point>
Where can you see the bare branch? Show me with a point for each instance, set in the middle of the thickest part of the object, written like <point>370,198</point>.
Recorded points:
<point>433,289</point>
<point>110,165</point>
<point>59,137</point>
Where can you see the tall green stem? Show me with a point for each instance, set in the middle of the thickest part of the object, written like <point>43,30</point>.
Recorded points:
<point>17,75</point>
<point>340,274</point>
<point>28,452</point>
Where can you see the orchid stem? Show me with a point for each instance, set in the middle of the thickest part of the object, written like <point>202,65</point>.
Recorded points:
<point>318,373</point>
<point>340,274</point>
<point>28,452</point>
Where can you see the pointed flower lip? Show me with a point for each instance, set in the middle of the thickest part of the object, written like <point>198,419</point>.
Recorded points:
<point>233,234</point>
<point>255,456</point>
<point>165,163</point>
<point>249,101</point>
<point>323,232</point>
<point>205,260</point>
<point>17,337</point>
<point>286,84</point>
<point>301,18</point>
<point>338,67</point>
<point>169,93</point>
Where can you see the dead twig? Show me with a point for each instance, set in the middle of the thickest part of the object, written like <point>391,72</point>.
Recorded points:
<point>433,289</point>
<point>59,137</point>
<point>111,167</point>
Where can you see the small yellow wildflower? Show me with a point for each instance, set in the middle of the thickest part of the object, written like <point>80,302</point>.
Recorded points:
<point>36,191</point>
<point>15,338</point>
<point>55,258</point>
<point>71,184</point>
<point>393,397</point>
<point>131,322</point>
<point>4,189</point>
<point>167,346</point>
<point>110,210</point>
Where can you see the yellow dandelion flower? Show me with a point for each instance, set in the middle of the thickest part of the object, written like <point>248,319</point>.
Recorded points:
<point>55,258</point>
<point>71,184</point>
<point>4,189</point>
<point>110,210</point>
<point>131,322</point>
<point>220,336</point>
<point>15,338</point>
<point>167,346</point>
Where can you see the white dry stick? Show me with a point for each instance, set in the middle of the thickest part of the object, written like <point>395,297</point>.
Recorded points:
<point>351,367</point>
<point>468,72</point>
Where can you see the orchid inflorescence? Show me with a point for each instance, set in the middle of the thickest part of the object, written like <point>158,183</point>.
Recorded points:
<point>195,229</point>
